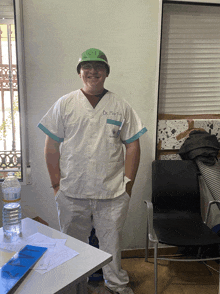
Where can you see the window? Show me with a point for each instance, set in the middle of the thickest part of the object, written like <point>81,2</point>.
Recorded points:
<point>189,87</point>
<point>190,59</point>
<point>10,145</point>
<point>12,93</point>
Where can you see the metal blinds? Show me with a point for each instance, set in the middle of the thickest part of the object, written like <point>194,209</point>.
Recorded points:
<point>190,60</point>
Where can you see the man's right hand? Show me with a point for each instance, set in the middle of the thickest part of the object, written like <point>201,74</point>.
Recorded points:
<point>56,190</point>
<point>52,156</point>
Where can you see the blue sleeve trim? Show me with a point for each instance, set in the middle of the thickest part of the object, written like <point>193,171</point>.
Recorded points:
<point>114,122</point>
<point>135,137</point>
<point>47,132</point>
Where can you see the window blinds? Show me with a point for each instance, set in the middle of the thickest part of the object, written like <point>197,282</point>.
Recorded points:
<point>190,60</point>
<point>6,9</point>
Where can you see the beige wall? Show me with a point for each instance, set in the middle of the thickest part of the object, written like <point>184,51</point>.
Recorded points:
<point>55,33</point>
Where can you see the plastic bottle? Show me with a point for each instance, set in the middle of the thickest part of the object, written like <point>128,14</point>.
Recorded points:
<point>11,212</point>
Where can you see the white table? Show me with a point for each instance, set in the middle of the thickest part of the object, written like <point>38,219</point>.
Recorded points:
<point>77,269</point>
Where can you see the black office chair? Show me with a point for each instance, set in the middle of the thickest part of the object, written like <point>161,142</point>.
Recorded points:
<point>173,215</point>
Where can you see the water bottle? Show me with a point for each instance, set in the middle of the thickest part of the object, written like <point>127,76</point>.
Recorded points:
<point>11,212</point>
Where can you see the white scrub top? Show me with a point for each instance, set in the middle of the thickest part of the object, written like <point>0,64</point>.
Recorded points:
<point>91,150</point>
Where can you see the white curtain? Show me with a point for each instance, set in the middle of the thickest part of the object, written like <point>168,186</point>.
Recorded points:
<point>190,60</point>
<point>6,9</point>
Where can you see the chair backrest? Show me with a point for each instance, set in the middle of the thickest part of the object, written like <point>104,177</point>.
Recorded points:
<point>175,185</point>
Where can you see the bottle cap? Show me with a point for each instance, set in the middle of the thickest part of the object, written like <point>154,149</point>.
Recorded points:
<point>11,174</point>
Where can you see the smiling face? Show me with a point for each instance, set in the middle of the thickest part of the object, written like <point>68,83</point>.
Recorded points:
<point>93,75</point>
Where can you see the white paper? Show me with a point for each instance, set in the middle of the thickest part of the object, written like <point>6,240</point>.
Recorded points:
<point>13,246</point>
<point>56,254</point>
<point>59,255</point>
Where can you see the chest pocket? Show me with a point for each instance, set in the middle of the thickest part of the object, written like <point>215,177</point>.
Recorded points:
<point>113,128</point>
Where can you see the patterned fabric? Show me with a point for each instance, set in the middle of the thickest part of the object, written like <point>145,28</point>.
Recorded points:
<point>211,175</point>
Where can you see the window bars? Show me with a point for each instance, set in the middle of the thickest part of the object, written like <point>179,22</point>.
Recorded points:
<point>10,154</point>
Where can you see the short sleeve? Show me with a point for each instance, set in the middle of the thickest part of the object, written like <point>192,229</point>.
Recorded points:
<point>52,123</point>
<point>132,128</point>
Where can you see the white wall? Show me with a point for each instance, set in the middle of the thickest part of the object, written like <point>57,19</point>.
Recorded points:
<point>55,33</point>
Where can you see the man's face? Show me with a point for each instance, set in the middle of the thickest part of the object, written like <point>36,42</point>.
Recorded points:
<point>93,74</point>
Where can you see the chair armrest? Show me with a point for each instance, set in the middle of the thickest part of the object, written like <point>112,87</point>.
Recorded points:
<point>150,212</point>
<point>209,207</point>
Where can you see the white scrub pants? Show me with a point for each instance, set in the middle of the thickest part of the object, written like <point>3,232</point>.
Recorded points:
<point>78,216</point>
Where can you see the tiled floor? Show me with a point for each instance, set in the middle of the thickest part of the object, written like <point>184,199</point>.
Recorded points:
<point>173,277</point>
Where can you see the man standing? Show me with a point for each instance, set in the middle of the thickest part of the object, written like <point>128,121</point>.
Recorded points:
<point>92,179</point>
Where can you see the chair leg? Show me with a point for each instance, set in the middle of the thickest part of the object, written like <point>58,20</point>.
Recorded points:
<point>219,280</point>
<point>155,266</point>
<point>147,246</point>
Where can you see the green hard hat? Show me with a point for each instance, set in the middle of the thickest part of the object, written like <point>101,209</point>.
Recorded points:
<point>93,54</point>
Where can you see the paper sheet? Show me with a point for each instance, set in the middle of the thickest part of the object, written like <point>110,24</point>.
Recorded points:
<point>13,246</point>
<point>56,254</point>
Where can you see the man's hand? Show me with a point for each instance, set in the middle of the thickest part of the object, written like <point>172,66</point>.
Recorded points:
<point>52,157</point>
<point>55,190</point>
